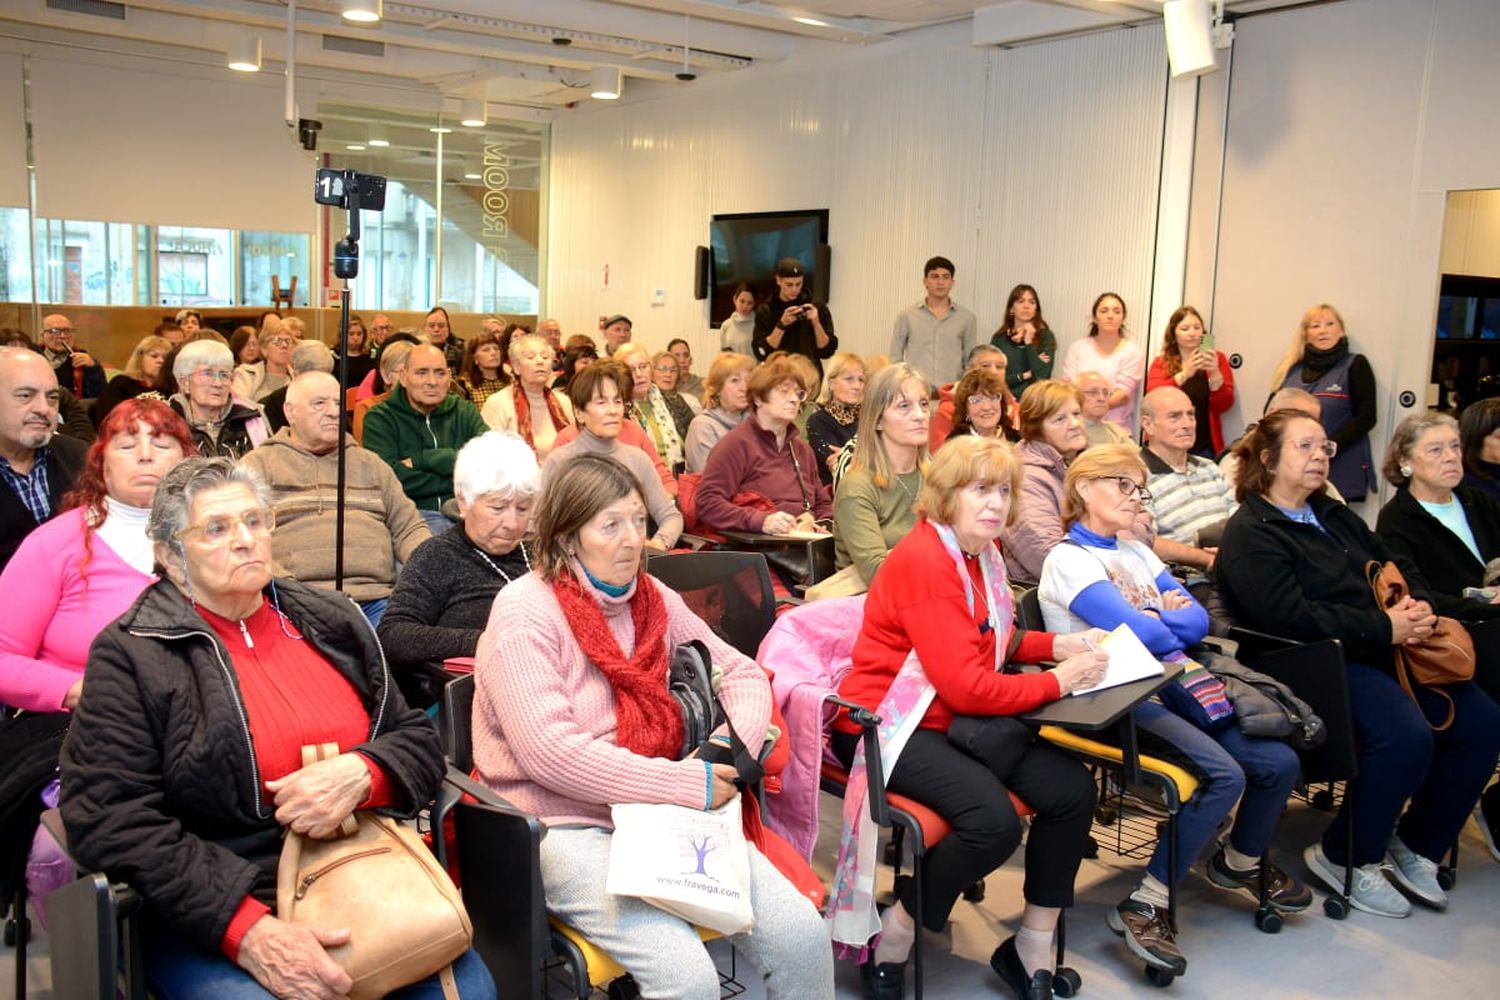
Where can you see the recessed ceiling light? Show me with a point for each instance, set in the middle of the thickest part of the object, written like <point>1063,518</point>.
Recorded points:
<point>355,147</point>
<point>811,21</point>
<point>361,11</point>
<point>440,129</point>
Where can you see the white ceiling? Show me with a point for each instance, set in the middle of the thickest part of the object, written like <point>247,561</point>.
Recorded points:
<point>427,55</point>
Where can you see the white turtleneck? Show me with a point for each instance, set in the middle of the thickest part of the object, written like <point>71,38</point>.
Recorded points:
<point>124,531</point>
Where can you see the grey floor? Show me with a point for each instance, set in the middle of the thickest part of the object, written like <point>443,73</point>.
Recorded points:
<point>1449,955</point>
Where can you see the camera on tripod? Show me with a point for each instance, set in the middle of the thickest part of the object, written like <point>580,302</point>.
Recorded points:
<point>356,192</point>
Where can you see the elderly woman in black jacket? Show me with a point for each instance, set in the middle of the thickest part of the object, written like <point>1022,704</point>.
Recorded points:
<point>1292,561</point>
<point>183,762</point>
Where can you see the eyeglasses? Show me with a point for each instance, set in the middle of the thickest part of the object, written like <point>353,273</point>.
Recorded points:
<point>280,342</point>
<point>1309,446</point>
<point>1096,393</point>
<point>213,375</point>
<point>219,530</point>
<point>977,400</point>
<point>665,368</point>
<point>58,331</point>
<point>799,394</point>
<point>1126,486</point>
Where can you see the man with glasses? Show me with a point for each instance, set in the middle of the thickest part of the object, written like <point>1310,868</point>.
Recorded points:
<point>380,328</point>
<point>935,335</point>
<point>1096,392</point>
<point>37,466</point>
<point>74,367</point>
<point>440,333</point>
<point>419,429</point>
<point>300,464</point>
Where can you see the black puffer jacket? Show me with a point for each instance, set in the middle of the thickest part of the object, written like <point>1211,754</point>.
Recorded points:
<point>159,786</point>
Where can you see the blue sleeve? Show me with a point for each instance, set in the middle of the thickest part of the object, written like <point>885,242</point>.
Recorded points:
<point>1189,624</point>
<point>1102,606</point>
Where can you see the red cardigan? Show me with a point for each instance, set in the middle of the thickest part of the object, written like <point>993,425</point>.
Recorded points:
<point>917,602</point>
<point>1219,399</point>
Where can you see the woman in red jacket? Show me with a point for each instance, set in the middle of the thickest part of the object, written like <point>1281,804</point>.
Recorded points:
<point>1198,370</point>
<point>937,630</point>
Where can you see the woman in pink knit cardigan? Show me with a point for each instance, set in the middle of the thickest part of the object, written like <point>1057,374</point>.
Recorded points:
<point>573,715</point>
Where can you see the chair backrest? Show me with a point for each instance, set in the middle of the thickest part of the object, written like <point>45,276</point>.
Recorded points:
<point>456,722</point>
<point>1315,672</point>
<point>731,591</point>
<point>1029,609</point>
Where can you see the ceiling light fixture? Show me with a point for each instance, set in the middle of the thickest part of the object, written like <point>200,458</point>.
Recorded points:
<point>811,22</point>
<point>362,11</point>
<point>244,53</point>
<point>355,147</point>
<point>473,177</point>
<point>471,113</point>
<point>379,138</point>
<point>440,130</point>
<point>605,83</point>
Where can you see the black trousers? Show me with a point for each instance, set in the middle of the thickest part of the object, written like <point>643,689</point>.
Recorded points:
<point>986,829</point>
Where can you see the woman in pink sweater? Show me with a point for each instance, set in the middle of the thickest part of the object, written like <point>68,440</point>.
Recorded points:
<point>573,715</point>
<point>72,576</point>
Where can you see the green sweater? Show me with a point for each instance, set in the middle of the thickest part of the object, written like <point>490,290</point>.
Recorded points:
<point>868,520</point>
<point>395,431</point>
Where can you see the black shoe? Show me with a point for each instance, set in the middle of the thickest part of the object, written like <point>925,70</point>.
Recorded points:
<point>886,981</point>
<point>1283,892</point>
<point>1007,965</point>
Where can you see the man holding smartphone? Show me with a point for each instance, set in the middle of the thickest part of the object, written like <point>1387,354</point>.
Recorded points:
<point>791,321</point>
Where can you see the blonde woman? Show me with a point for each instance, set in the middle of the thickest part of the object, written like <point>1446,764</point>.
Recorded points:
<point>144,373</point>
<point>833,423</point>
<point>665,416</point>
<point>726,401</point>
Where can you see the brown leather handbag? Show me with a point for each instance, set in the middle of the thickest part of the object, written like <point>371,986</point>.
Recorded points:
<point>1445,657</point>
<point>376,877</point>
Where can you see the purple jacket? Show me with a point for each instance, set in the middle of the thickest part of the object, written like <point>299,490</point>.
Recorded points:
<point>809,651</point>
<point>747,458</point>
<point>1038,525</point>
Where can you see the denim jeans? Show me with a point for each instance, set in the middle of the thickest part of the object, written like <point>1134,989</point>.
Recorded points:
<point>1232,764</point>
<point>374,609</point>
<point>437,521</point>
<point>1400,757</point>
<point>176,970</point>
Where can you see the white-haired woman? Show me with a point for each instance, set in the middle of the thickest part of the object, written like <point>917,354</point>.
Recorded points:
<point>665,416</point>
<point>442,597</point>
<point>274,369</point>
<point>528,407</point>
<point>223,424</point>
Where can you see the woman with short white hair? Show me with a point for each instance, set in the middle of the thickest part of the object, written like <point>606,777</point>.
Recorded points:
<point>528,407</point>
<point>442,597</point>
<point>223,424</point>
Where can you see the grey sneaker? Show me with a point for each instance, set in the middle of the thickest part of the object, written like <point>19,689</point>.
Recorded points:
<point>1416,874</point>
<point>1370,892</point>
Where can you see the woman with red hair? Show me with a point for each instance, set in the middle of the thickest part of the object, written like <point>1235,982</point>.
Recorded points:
<point>75,574</point>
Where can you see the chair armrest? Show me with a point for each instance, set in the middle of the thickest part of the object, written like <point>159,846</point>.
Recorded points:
<point>499,865</point>
<point>1183,785</point>
<point>869,722</point>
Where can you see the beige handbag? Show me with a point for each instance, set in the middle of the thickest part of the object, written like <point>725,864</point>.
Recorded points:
<point>376,877</point>
<point>845,583</point>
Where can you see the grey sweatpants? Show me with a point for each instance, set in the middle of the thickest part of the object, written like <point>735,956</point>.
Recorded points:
<point>789,943</point>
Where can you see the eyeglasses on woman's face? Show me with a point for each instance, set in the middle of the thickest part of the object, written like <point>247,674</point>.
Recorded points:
<point>1127,486</point>
<point>979,400</point>
<point>219,530</point>
<point>213,375</point>
<point>1307,447</point>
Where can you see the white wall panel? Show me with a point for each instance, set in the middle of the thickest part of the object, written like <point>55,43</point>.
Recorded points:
<point>1037,164</point>
<point>1347,125</point>
<point>14,180</point>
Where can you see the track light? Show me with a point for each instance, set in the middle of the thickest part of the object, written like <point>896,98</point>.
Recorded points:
<point>471,113</point>
<point>605,83</point>
<point>361,11</point>
<point>244,53</point>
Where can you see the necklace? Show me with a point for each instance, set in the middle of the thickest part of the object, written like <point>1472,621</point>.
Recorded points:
<point>508,578</point>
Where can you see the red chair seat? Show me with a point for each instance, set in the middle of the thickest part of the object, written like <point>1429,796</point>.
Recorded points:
<point>934,827</point>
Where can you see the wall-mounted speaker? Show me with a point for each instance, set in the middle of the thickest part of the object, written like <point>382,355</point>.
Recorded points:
<point>703,272</point>
<point>822,268</point>
<point>1190,45</point>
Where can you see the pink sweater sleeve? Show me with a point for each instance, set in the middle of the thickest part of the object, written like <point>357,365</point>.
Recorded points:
<point>523,680</point>
<point>31,592</point>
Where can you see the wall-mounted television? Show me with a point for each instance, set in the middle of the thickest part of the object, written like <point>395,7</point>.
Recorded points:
<point>746,247</point>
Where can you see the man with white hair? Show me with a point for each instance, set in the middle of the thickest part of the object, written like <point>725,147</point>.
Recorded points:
<point>1096,391</point>
<point>307,356</point>
<point>37,466</point>
<point>300,464</point>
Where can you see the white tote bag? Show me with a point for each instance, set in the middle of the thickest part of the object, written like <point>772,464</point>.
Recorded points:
<point>690,863</point>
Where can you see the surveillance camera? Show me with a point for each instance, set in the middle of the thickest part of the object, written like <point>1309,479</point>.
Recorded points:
<point>687,75</point>
<point>307,132</point>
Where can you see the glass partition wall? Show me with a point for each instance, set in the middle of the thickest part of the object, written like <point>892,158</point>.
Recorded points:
<point>462,227</point>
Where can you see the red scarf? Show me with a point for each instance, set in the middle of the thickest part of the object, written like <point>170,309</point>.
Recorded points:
<point>523,412</point>
<point>648,720</point>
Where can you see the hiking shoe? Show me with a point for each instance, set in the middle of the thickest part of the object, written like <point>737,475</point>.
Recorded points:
<point>1370,892</point>
<point>1487,813</point>
<point>1148,935</point>
<point>1416,874</point>
<point>1283,892</point>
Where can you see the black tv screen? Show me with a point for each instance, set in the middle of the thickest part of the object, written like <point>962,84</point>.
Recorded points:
<point>747,246</point>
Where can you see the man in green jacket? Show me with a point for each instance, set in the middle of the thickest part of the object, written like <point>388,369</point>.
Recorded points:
<point>419,429</point>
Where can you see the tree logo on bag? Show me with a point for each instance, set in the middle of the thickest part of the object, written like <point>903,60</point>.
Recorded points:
<point>702,846</point>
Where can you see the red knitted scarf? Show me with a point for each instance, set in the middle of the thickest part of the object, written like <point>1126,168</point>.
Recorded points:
<point>647,718</point>
<point>523,412</point>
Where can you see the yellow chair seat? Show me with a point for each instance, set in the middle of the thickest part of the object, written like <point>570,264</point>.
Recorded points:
<point>1184,782</point>
<point>602,968</point>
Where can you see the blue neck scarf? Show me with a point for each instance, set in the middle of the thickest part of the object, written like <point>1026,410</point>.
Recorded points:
<point>610,590</point>
<point>1084,536</point>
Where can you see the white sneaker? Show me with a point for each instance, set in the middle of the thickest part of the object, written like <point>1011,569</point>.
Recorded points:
<point>1370,891</point>
<point>1416,874</point>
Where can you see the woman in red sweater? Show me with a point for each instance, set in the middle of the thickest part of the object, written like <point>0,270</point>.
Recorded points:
<point>937,630</point>
<point>1200,371</point>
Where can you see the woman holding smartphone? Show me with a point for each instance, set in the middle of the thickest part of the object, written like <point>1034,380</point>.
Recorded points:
<point>1189,361</point>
